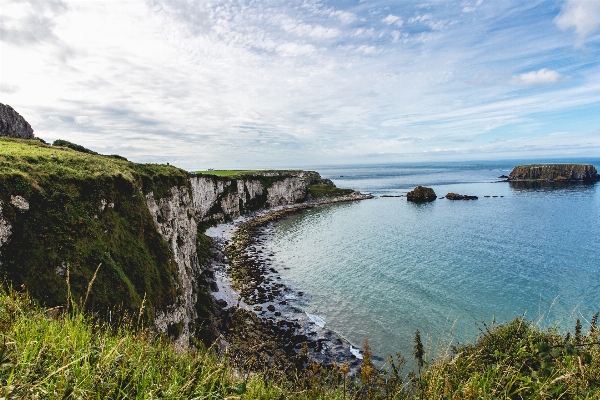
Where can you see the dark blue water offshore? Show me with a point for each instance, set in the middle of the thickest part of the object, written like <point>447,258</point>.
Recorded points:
<point>380,269</point>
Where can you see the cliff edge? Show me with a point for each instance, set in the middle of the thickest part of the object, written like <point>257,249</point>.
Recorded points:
<point>554,173</point>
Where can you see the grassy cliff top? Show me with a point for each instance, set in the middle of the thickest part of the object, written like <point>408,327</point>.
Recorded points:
<point>33,159</point>
<point>228,173</point>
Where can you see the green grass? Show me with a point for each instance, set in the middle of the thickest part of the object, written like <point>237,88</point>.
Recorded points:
<point>229,173</point>
<point>72,356</point>
<point>52,355</point>
<point>320,191</point>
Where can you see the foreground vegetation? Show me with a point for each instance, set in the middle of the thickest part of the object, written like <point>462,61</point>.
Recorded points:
<point>50,354</point>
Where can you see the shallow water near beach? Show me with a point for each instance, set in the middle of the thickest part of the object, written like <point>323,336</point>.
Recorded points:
<point>380,269</point>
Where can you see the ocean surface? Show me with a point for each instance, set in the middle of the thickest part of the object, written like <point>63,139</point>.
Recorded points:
<point>381,269</point>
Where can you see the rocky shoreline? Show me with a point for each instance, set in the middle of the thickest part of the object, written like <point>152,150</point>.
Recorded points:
<point>257,316</point>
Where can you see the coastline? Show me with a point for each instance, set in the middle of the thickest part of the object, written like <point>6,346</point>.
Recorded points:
<point>249,297</point>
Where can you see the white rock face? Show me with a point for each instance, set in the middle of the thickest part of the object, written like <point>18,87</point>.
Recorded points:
<point>205,193</point>
<point>5,228</point>
<point>178,227</point>
<point>289,191</point>
<point>254,189</point>
<point>231,205</point>
<point>19,202</point>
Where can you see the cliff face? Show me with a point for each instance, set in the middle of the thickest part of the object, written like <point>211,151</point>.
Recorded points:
<point>554,172</point>
<point>218,199</point>
<point>173,216</point>
<point>66,210</point>
<point>12,124</point>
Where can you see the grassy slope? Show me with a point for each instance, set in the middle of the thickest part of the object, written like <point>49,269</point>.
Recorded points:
<point>74,356</point>
<point>64,226</point>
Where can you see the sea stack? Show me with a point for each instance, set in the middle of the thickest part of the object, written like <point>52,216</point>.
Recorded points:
<point>554,173</point>
<point>421,194</point>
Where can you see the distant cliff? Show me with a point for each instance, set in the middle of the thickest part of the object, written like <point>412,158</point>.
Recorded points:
<point>554,173</point>
<point>12,124</point>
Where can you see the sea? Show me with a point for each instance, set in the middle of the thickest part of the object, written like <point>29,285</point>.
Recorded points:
<point>380,269</point>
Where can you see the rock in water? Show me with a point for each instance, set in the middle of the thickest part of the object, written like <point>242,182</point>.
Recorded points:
<point>554,173</point>
<point>421,194</point>
<point>456,196</point>
<point>12,124</point>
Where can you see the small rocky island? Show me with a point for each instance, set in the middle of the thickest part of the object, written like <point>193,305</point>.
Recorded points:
<point>421,194</point>
<point>554,173</point>
<point>456,196</point>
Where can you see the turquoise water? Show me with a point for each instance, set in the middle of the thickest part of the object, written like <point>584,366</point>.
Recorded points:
<point>380,269</point>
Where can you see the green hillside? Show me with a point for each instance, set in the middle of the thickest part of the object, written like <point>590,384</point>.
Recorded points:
<point>85,210</point>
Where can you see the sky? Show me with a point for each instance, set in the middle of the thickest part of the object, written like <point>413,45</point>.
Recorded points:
<point>275,84</point>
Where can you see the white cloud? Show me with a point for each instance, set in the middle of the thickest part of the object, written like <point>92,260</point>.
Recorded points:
<point>470,7</point>
<point>581,15</point>
<point>222,82</point>
<point>393,19</point>
<point>344,16</point>
<point>30,22</point>
<point>6,88</point>
<point>538,78</point>
<point>81,119</point>
<point>314,31</point>
<point>363,32</point>
<point>420,18</point>
<point>295,49</point>
<point>367,49</point>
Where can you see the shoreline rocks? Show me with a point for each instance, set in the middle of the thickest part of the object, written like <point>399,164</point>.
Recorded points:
<point>456,196</point>
<point>268,317</point>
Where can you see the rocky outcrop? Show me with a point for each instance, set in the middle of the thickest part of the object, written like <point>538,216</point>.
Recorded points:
<point>554,173</point>
<point>12,124</point>
<point>456,196</point>
<point>421,194</point>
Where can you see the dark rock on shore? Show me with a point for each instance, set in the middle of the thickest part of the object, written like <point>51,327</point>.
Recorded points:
<point>12,124</point>
<point>554,173</point>
<point>503,176</point>
<point>421,194</point>
<point>456,196</point>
